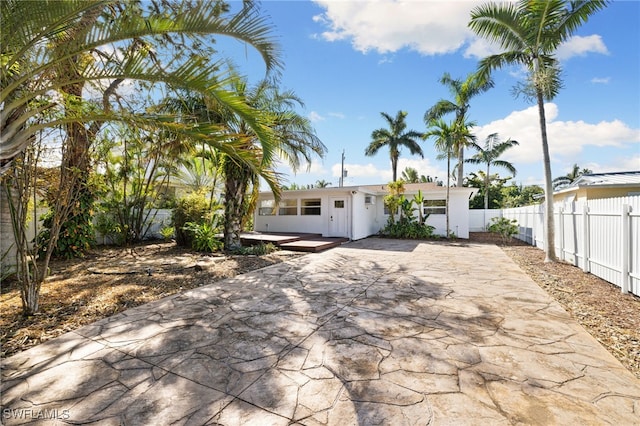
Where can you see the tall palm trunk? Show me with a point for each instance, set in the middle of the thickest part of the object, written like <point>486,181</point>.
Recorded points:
<point>549,240</point>
<point>394,167</point>
<point>460,178</point>
<point>448,189</point>
<point>237,178</point>
<point>486,189</point>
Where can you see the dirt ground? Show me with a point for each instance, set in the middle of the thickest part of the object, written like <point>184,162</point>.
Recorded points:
<point>110,280</point>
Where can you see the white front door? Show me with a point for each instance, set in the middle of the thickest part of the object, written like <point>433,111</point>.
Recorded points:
<point>338,217</point>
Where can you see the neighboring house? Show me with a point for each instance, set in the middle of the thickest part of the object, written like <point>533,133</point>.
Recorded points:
<point>357,212</point>
<point>600,185</point>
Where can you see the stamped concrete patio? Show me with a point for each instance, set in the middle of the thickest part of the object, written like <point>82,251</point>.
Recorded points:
<point>374,332</point>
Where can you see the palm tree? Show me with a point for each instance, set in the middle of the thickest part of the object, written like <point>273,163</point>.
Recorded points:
<point>53,49</point>
<point>410,175</point>
<point>293,140</point>
<point>446,137</point>
<point>530,32</point>
<point>394,137</point>
<point>322,184</point>
<point>462,92</point>
<point>489,155</point>
<point>569,178</point>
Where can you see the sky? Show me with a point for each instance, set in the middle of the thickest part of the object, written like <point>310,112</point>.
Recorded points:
<point>351,60</point>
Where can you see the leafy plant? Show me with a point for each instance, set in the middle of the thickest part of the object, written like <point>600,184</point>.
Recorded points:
<point>167,232</point>
<point>257,250</point>
<point>204,236</point>
<point>506,228</point>
<point>76,235</point>
<point>194,208</point>
<point>412,230</point>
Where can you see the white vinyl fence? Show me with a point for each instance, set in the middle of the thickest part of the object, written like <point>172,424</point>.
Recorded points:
<point>600,236</point>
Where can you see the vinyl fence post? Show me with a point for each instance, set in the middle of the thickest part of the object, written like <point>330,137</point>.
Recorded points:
<point>624,285</point>
<point>561,231</point>
<point>585,237</point>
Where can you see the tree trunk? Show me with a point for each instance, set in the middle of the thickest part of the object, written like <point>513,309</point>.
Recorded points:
<point>549,239</point>
<point>460,178</point>
<point>448,188</point>
<point>486,189</point>
<point>394,168</point>
<point>236,183</point>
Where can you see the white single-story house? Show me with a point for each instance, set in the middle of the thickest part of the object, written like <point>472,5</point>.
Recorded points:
<point>357,212</point>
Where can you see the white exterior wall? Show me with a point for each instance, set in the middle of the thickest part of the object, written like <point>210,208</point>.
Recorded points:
<point>299,223</point>
<point>363,219</point>
<point>366,220</point>
<point>458,213</point>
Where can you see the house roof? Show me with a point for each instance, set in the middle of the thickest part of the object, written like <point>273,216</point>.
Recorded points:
<point>615,179</point>
<point>618,178</point>
<point>381,189</point>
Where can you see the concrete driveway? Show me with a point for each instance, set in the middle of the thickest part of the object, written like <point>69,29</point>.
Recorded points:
<point>374,332</point>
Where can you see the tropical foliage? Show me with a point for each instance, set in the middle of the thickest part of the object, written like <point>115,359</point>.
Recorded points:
<point>56,54</point>
<point>530,32</point>
<point>504,227</point>
<point>566,180</point>
<point>462,92</point>
<point>394,138</point>
<point>446,137</point>
<point>407,225</point>
<point>489,155</point>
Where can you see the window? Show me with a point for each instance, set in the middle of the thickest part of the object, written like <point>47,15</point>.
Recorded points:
<point>310,207</point>
<point>338,204</point>
<point>387,212</point>
<point>434,207</point>
<point>266,208</point>
<point>288,208</point>
<point>369,199</point>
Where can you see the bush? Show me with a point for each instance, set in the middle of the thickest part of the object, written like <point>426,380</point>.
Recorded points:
<point>77,234</point>
<point>408,229</point>
<point>257,250</point>
<point>204,236</point>
<point>506,228</point>
<point>167,232</point>
<point>194,209</point>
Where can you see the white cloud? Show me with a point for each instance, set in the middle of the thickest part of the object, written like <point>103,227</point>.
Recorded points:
<point>480,48</point>
<point>315,168</point>
<point>337,115</point>
<point>566,138</point>
<point>580,46</point>
<point>315,117</point>
<point>372,174</point>
<point>388,25</point>
<point>601,80</point>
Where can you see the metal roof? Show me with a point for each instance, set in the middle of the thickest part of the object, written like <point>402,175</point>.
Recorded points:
<point>617,178</point>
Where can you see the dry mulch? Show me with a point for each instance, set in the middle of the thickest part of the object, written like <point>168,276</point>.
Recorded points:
<point>110,280</point>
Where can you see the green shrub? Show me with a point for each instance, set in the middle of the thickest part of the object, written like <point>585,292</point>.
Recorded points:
<point>506,228</point>
<point>204,236</point>
<point>257,250</point>
<point>77,234</point>
<point>408,229</point>
<point>194,209</point>
<point>109,228</point>
<point>167,232</point>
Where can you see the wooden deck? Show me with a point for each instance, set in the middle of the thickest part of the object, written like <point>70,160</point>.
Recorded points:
<point>293,241</point>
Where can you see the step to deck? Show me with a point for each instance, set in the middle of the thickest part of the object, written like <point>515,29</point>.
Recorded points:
<point>293,241</point>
